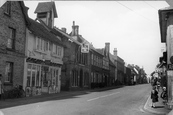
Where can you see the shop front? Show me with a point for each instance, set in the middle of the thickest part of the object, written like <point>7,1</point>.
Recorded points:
<point>42,78</point>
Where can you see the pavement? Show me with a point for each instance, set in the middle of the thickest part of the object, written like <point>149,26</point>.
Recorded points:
<point>160,109</point>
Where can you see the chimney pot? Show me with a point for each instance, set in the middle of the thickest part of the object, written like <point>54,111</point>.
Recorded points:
<point>64,29</point>
<point>115,52</point>
<point>73,23</point>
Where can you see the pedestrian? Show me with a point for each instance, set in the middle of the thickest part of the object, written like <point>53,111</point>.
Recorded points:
<point>163,95</point>
<point>154,96</point>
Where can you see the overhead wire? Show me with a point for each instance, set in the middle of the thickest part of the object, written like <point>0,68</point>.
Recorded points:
<point>150,5</point>
<point>135,12</point>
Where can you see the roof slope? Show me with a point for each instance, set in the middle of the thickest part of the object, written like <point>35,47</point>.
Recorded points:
<point>39,30</point>
<point>91,47</point>
<point>56,30</point>
<point>46,7</point>
<point>112,58</point>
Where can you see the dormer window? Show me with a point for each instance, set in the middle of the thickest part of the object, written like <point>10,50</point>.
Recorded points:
<point>42,15</point>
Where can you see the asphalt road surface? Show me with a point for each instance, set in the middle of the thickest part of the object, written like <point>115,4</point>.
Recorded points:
<point>128,100</point>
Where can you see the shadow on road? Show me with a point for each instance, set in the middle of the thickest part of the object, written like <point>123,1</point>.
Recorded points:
<point>49,97</point>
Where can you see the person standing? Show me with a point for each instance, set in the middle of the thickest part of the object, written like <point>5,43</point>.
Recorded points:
<point>154,96</point>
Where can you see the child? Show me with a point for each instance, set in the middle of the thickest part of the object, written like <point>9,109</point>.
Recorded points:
<point>154,96</point>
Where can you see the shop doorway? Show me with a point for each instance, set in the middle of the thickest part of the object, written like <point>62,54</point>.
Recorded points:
<point>81,78</point>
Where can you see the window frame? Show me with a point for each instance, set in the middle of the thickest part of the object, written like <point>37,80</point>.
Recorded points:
<point>8,8</point>
<point>10,70</point>
<point>11,38</point>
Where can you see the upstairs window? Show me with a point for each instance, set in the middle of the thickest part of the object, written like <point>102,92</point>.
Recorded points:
<point>8,8</point>
<point>42,15</point>
<point>57,50</point>
<point>11,39</point>
<point>42,45</point>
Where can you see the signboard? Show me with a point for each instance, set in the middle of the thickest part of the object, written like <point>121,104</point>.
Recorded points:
<point>170,66</point>
<point>85,48</point>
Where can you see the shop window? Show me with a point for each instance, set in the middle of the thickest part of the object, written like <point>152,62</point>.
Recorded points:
<point>33,75</point>
<point>9,72</point>
<point>38,76</point>
<point>29,75</point>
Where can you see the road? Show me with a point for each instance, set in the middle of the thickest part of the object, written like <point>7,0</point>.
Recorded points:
<point>128,100</point>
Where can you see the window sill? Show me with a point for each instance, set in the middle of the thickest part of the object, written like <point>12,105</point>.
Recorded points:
<point>8,83</point>
<point>40,51</point>
<point>10,49</point>
<point>7,14</point>
<point>55,55</point>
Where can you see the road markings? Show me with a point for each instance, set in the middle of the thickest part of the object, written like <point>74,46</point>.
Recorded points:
<point>103,96</point>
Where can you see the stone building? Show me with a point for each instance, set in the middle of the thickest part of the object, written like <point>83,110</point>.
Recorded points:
<point>75,71</point>
<point>12,43</point>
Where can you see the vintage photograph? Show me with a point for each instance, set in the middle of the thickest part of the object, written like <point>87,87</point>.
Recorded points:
<point>91,57</point>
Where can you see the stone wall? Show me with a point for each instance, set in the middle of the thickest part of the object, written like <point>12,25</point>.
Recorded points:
<point>16,55</point>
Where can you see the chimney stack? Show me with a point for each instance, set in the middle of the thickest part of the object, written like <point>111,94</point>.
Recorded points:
<point>75,29</point>
<point>115,52</point>
<point>107,47</point>
<point>64,30</point>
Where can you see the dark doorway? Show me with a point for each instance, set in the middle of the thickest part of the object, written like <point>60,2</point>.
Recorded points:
<point>81,78</point>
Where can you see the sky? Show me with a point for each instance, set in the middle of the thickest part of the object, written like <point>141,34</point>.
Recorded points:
<point>130,26</point>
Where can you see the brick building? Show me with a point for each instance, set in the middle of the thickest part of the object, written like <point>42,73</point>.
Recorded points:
<point>120,70</point>
<point>12,43</point>
<point>96,65</point>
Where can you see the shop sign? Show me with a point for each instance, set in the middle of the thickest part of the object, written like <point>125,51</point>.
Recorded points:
<point>85,48</point>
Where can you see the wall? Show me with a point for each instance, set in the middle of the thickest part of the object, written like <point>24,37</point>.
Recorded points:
<point>16,21</point>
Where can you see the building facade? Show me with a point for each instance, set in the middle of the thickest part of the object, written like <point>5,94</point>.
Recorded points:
<point>44,53</point>
<point>76,69</point>
<point>96,64</point>
<point>12,43</point>
<point>120,70</point>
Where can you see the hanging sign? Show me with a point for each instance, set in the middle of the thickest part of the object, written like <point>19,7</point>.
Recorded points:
<point>85,48</point>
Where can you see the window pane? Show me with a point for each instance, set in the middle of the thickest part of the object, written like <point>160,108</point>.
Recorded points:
<point>38,76</point>
<point>33,78</point>
<point>8,72</point>
<point>8,7</point>
<point>11,39</point>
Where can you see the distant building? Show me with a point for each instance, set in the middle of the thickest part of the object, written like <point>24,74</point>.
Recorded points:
<point>120,70</point>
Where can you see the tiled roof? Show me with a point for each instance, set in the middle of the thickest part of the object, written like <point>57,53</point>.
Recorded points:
<point>91,47</point>
<point>46,7</point>
<point>167,8</point>
<point>24,11</point>
<point>40,31</point>
<point>112,58</point>
<point>55,30</point>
